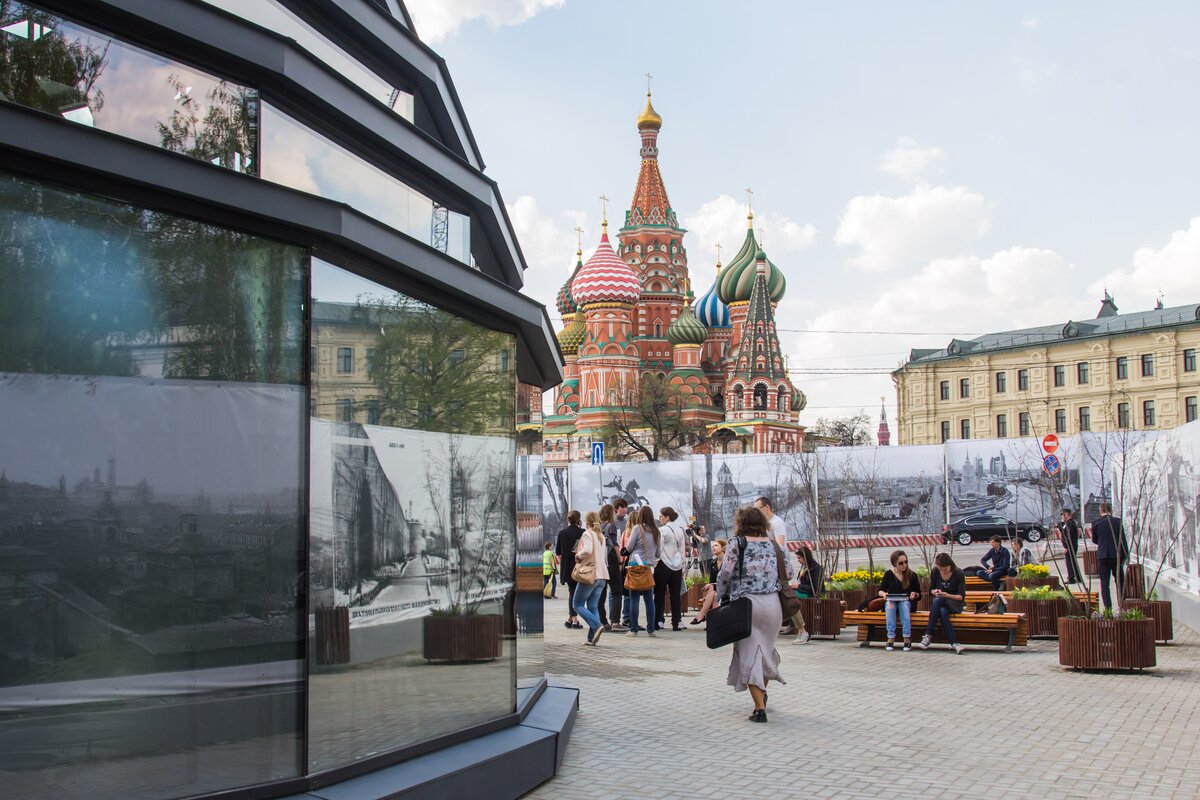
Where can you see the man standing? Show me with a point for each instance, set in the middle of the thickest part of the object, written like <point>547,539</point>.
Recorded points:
<point>1111,553</point>
<point>1000,563</point>
<point>1069,532</point>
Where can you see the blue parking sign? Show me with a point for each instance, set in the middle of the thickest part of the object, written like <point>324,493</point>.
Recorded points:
<point>598,454</point>
<point>1051,464</point>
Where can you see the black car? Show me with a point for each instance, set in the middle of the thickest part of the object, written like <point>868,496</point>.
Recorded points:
<point>982,527</point>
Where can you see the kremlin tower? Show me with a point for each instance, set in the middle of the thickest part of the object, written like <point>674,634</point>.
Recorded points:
<point>629,313</point>
<point>883,435</point>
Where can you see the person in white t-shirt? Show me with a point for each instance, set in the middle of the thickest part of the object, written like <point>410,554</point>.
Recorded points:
<point>668,573</point>
<point>779,534</point>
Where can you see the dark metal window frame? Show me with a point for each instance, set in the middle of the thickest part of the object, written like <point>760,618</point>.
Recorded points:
<point>1060,375</point>
<point>1147,365</point>
<point>1001,426</point>
<point>1060,420</point>
<point>944,390</point>
<point>1189,360</point>
<point>1122,368</point>
<point>1083,373</point>
<point>1149,414</point>
<point>1024,424</point>
<point>1022,380</point>
<point>1001,382</point>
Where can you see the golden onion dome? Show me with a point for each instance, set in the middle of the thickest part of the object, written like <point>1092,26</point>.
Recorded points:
<point>649,119</point>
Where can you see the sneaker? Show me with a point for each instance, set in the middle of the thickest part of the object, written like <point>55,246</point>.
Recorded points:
<point>802,638</point>
<point>619,628</point>
<point>759,715</point>
<point>651,634</point>
<point>907,646</point>
<point>607,627</point>
<point>890,646</point>
<point>677,628</point>
<point>596,636</point>
<point>958,649</point>
<point>924,643</point>
<point>631,633</point>
<point>589,644</point>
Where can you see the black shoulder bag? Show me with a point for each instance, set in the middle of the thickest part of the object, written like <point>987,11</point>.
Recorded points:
<point>731,621</point>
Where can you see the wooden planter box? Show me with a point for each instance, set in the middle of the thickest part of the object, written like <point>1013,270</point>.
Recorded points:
<point>822,616</point>
<point>852,598</point>
<point>688,600</point>
<point>1106,643</point>
<point>1090,567</point>
<point>1135,581</point>
<point>333,635</point>
<point>1160,612</point>
<point>1043,615</point>
<point>926,601</point>
<point>1030,583</point>
<point>475,637</point>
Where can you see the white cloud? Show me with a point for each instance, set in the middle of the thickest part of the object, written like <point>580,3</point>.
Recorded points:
<point>1031,22</point>
<point>437,19</point>
<point>1173,269</point>
<point>549,244</point>
<point>927,223</point>
<point>908,160</point>
<point>723,219</point>
<point>967,296</point>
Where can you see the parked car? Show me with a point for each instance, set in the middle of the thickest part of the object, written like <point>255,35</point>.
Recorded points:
<point>981,527</point>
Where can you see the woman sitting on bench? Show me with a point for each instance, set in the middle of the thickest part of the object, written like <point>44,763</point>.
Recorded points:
<point>949,589</point>
<point>897,581</point>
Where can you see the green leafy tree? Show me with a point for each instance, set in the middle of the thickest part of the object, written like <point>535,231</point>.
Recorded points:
<point>651,424</point>
<point>844,431</point>
<point>436,371</point>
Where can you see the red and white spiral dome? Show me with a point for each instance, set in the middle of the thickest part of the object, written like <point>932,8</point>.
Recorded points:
<point>605,278</point>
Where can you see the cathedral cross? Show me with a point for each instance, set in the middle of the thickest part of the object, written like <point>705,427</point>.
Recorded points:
<point>750,200</point>
<point>604,208</point>
<point>648,79</point>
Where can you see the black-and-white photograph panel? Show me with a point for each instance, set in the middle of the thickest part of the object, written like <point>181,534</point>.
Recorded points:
<point>530,541</point>
<point>1099,467</point>
<point>1155,486</point>
<point>652,483</point>
<point>721,483</point>
<point>883,490</point>
<point>378,545</point>
<point>556,501</point>
<point>1009,478</point>
<point>154,527</point>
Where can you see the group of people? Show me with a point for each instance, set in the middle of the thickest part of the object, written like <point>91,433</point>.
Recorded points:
<point>612,543</point>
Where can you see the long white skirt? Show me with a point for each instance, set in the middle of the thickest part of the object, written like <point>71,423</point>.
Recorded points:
<point>755,659</point>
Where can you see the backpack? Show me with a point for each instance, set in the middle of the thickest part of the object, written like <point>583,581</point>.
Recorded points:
<point>996,605</point>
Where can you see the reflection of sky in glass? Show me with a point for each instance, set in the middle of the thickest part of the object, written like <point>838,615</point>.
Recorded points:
<point>274,17</point>
<point>297,157</point>
<point>137,93</point>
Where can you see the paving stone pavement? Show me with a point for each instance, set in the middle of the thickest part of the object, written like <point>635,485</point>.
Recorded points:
<point>656,720</point>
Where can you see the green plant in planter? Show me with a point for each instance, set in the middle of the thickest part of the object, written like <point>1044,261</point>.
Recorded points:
<point>1041,593</point>
<point>1131,613</point>
<point>1153,594</point>
<point>845,585</point>
<point>1033,571</point>
<point>922,572</point>
<point>454,610</point>
<point>697,580</point>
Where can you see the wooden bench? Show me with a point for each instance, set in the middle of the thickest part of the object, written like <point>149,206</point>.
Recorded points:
<point>1002,630</point>
<point>980,599</point>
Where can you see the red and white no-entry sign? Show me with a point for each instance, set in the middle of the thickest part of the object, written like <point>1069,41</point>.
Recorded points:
<point>1050,443</point>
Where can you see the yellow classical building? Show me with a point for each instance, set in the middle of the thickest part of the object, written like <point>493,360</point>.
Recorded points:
<point>1134,370</point>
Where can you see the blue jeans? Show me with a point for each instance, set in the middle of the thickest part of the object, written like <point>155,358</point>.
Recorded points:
<point>995,576</point>
<point>634,597</point>
<point>940,612</point>
<point>904,608</point>
<point>587,598</point>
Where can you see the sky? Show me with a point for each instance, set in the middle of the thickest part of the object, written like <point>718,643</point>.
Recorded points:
<point>927,170</point>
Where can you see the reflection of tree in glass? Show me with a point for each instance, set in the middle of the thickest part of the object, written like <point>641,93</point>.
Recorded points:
<point>225,134</point>
<point>438,372</point>
<point>68,283</point>
<point>46,71</point>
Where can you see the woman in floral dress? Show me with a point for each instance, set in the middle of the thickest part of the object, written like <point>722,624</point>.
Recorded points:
<point>755,659</point>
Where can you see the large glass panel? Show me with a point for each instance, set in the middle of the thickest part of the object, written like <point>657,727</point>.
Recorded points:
<point>88,77</point>
<point>274,16</point>
<point>151,514</point>
<point>413,523</point>
<point>531,567</point>
<point>296,156</point>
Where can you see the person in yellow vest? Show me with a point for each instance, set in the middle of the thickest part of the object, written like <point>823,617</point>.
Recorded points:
<point>549,568</point>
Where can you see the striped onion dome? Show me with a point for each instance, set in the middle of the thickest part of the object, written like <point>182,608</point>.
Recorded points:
<point>572,336</point>
<point>737,279</point>
<point>711,312</point>
<point>565,302</point>
<point>799,400</point>
<point>605,278</point>
<point>686,329</point>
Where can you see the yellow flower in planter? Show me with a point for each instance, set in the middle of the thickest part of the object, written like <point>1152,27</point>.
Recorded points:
<point>1033,571</point>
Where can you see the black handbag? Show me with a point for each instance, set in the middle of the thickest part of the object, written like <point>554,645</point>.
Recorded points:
<point>731,621</point>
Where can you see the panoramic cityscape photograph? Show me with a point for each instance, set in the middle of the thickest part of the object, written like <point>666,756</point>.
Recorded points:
<point>403,398</point>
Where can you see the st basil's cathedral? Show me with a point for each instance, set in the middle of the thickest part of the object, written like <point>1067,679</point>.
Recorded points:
<point>630,312</point>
